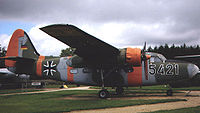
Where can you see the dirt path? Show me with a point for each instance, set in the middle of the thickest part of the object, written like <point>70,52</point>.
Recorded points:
<point>193,100</point>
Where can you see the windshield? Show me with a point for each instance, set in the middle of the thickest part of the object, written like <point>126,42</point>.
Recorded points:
<point>156,57</point>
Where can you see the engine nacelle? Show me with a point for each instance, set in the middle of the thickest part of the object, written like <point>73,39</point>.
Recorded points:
<point>133,56</point>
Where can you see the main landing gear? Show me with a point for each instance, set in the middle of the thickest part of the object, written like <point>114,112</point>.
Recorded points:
<point>119,90</point>
<point>103,94</point>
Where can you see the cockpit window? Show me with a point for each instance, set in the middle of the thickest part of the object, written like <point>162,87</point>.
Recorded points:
<point>155,59</point>
<point>162,57</point>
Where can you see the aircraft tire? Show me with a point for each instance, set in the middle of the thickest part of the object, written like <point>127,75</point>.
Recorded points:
<point>169,92</point>
<point>103,94</point>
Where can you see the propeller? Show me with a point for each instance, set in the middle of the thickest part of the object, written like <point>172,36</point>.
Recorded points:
<point>143,51</point>
<point>144,58</point>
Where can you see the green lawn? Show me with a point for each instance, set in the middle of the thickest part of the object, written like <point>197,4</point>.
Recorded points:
<point>53,102</point>
<point>18,90</point>
<point>183,110</point>
<point>157,87</point>
<point>162,87</point>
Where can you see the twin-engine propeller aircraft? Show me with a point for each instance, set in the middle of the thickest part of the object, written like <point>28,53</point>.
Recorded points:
<point>96,63</point>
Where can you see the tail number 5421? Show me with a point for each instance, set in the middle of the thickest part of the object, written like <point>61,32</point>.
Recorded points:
<point>169,69</point>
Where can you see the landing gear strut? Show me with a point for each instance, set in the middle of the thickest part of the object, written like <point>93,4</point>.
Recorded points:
<point>103,94</point>
<point>169,92</point>
<point>119,90</point>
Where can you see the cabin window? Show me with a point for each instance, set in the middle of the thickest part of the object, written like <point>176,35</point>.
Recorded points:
<point>73,71</point>
<point>86,70</point>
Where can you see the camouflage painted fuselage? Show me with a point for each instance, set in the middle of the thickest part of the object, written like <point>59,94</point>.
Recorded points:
<point>153,72</point>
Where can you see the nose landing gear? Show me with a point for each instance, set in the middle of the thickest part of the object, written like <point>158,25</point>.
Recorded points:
<point>169,92</point>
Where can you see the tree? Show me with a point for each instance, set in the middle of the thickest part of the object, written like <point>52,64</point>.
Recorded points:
<point>149,48</point>
<point>166,46</point>
<point>171,52</point>
<point>2,54</point>
<point>67,52</point>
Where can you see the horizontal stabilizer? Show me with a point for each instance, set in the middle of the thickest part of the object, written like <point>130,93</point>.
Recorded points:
<point>5,71</point>
<point>18,59</point>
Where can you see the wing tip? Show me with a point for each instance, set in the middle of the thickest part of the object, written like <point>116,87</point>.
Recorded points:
<point>56,25</point>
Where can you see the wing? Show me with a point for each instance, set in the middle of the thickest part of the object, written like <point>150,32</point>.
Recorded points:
<point>87,46</point>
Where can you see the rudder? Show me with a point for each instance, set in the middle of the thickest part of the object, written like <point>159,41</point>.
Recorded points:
<point>20,45</point>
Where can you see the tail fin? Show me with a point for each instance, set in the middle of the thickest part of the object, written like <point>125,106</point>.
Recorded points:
<point>20,45</point>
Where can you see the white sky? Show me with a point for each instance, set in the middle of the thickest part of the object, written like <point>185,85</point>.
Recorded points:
<point>121,23</point>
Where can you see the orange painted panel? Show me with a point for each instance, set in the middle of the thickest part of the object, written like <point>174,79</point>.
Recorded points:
<point>70,76</point>
<point>39,65</point>
<point>135,77</point>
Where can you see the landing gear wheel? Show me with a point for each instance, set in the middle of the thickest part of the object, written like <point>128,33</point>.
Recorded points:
<point>119,90</point>
<point>103,94</point>
<point>169,92</point>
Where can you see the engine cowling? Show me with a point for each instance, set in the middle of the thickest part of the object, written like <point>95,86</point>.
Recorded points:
<point>133,56</point>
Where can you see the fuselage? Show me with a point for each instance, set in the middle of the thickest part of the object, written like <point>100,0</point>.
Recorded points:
<point>152,71</point>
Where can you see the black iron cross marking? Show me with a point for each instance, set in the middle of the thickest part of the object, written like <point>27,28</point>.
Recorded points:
<point>49,68</point>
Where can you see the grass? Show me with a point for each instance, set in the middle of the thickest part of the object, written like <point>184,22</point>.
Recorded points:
<point>18,90</point>
<point>6,91</point>
<point>53,102</point>
<point>162,87</point>
<point>189,88</point>
<point>182,110</point>
<point>157,87</point>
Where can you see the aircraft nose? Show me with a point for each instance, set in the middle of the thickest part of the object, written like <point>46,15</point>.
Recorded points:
<point>192,70</point>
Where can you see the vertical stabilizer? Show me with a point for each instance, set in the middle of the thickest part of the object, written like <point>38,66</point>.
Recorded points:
<point>20,45</point>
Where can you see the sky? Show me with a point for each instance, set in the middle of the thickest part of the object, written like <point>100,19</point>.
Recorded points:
<point>121,23</point>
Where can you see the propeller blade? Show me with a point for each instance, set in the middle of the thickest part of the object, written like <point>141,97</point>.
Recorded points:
<point>145,44</point>
<point>143,52</point>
